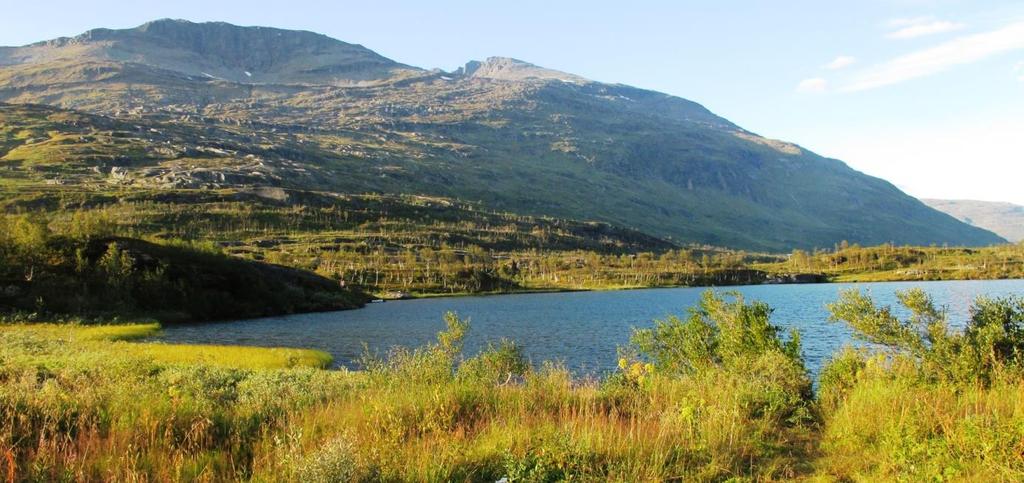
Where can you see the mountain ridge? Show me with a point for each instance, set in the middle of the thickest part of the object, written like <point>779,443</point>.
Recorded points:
<point>228,52</point>
<point>512,135</point>
<point>508,68</point>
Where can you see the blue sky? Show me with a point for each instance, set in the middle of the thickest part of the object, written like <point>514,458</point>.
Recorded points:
<point>928,94</point>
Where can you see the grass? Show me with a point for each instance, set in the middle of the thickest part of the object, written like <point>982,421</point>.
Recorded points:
<point>121,341</point>
<point>76,333</point>
<point>548,428</point>
<point>231,356</point>
<point>893,426</point>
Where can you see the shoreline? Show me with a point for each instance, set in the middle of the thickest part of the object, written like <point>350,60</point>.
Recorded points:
<point>422,296</point>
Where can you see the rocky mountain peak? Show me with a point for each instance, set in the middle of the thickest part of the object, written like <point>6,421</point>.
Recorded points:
<point>244,46</point>
<point>222,51</point>
<point>507,68</point>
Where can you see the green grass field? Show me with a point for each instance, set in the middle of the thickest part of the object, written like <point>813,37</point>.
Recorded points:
<point>121,341</point>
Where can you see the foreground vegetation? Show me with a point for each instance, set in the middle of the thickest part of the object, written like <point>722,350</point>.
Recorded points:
<point>720,394</point>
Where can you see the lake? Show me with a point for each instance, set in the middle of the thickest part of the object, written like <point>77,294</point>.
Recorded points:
<point>580,329</point>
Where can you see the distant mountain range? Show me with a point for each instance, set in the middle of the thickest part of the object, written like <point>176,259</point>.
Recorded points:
<point>213,105</point>
<point>1003,219</point>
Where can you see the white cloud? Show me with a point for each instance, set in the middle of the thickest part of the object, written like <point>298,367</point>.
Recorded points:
<point>841,62</point>
<point>962,50</point>
<point>920,27</point>
<point>814,84</point>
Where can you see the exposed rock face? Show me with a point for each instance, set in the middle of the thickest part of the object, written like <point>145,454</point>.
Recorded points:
<point>505,68</point>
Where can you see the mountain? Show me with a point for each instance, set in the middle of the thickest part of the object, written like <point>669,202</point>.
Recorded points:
<point>504,68</point>
<point>216,51</point>
<point>228,106</point>
<point>1003,219</point>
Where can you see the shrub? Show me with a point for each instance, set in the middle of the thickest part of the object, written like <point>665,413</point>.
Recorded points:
<point>726,378</point>
<point>91,276</point>
<point>718,333</point>
<point>500,363</point>
<point>992,339</point>
<point>332,462</point>
<point>435,362</point>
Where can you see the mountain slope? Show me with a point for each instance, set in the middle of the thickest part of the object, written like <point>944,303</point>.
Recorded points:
<point>1003,219</point>
<point>216,51</point>
<point>321,114</point>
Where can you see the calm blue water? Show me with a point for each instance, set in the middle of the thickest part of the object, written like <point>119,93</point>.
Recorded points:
<point>580,329</point>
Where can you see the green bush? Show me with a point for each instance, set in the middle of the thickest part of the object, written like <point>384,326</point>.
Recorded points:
<point>992,339</point>
<point>434,362</point>
<point>726,365</point>
<point>500,363</point>
<point>332,462</point>
<point>718,333</point>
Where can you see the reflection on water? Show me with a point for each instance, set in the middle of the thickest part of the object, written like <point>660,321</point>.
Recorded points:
<point>580,329</point>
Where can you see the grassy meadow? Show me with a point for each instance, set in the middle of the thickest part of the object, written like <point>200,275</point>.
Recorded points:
<point>718,394</point>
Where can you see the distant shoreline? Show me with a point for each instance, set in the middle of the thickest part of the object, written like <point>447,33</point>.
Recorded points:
<point>423,296</point>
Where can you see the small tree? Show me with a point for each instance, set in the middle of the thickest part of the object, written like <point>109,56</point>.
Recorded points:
<point>117,266</point>
<point>26,240</point>
<point>992,339</point>
<point>725,339</point>
<point>718,333</point>
<point>114,274</point>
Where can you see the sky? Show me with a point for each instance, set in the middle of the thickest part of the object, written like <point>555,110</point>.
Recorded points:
<point>928,94</point>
